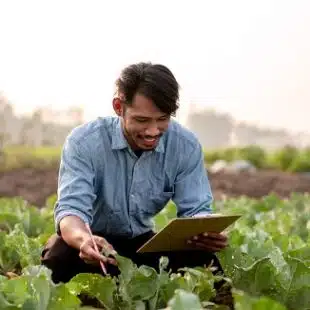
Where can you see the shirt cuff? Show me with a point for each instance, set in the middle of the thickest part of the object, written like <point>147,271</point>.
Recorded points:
<point>60,215</point>
<point>202,214</point>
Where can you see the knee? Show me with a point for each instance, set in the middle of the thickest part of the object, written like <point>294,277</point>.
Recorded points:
<point>59,257</point>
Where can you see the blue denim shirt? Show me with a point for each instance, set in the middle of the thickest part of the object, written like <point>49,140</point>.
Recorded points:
<point>103,182</point>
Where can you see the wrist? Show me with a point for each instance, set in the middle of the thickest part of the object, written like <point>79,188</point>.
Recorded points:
<point>74,232</point>
<point>80,237</point>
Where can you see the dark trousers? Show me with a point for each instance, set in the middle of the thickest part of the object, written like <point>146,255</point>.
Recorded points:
<point>65,263</point>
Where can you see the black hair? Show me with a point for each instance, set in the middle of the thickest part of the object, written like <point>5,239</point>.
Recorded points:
<point>154,81</point>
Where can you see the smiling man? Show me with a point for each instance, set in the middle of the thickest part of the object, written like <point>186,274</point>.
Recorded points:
<point>118,172</point>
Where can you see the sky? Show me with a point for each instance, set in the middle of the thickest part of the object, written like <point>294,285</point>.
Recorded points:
<point>248,58</point>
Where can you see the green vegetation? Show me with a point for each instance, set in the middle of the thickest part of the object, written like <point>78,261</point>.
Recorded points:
<point>285,159</point>
<point>288,158</point>
<point>267,262</point>
<point>30,157</point>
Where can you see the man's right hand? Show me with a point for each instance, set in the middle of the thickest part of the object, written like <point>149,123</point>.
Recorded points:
<point>74,232</point>
<point>89,254</point>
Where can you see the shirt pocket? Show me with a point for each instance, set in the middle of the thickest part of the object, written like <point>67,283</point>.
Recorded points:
<point>156,199</point>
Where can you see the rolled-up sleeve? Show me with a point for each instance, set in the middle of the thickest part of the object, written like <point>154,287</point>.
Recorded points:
<point>75,184</point>
<point>193,194</point>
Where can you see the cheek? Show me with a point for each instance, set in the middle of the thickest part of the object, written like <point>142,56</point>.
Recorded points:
<point>135,130</point>
<point>163,126</point>
<point>139,129</point>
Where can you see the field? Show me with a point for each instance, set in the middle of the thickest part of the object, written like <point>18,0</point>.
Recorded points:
<point>23,170</point>
<point>25,182</point>
<point>287,159</point>
<point>267,261</point>
<point>15,157</point>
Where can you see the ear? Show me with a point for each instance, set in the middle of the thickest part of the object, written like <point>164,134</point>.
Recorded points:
<point>118,106</point>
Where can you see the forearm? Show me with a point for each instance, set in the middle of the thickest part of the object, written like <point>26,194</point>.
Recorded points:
<point>193,194</point>
<point>73,231</point>
<point>76,193</point>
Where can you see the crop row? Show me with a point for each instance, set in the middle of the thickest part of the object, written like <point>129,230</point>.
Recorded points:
<point>267,263</point>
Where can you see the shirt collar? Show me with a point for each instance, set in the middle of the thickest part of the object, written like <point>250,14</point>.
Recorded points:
<point>119,141</point>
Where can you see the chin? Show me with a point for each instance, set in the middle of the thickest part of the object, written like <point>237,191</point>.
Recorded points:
<point>147,148</point>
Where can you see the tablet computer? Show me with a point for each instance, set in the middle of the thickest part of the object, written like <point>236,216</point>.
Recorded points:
<point>174,236</point>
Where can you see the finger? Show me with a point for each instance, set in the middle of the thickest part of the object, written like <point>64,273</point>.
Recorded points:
<point>112,261</point>
<point>109,250</point>
<point>91,262</point>
<point>88,259</point>
<point>103,244</point>
<point>91,254</point>
<point>96,262</point>
<point>214,235</point>
<point>209,243</point>
<point>206,247</point>
<point>213,242</point>
<point>208,240</point>
<point>212,246</point>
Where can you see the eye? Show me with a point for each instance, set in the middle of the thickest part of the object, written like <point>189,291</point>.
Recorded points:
<point>141,120</point>
<point>164,118</point>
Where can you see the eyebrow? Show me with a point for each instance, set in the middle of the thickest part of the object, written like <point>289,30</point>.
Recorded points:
<point>147,117</point>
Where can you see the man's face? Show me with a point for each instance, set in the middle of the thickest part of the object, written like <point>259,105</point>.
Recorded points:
<point>143,123</point>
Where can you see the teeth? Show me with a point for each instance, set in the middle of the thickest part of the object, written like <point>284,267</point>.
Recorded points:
<point>150,140</point>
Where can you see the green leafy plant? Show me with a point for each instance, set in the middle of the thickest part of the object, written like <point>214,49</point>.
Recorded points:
<point>267,263</point>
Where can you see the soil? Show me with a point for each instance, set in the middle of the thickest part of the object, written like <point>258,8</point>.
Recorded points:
<point>36,185</point>
<point>33,185</point>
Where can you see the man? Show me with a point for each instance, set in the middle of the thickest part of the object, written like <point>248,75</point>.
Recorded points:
<point>116,173</point>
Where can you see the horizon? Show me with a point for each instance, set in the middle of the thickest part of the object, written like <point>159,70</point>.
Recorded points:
<point>244,59</point>
<point>178,118</point>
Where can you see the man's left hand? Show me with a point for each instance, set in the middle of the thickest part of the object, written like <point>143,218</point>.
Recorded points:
<point>212,242</point>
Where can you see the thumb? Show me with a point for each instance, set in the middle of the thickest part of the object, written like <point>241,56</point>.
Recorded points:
<point>105,246</point>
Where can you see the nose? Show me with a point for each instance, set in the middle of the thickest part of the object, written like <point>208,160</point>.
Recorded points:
<point>152,131</point>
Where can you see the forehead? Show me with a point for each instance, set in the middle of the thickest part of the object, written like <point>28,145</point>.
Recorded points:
<point>143,106</point>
